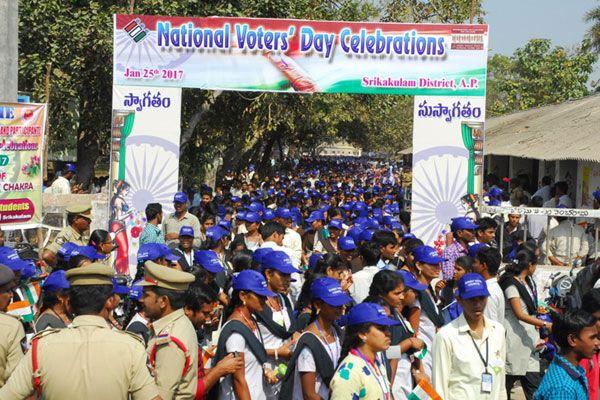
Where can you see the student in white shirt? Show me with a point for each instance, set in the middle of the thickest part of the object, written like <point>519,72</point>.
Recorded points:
<point>486,263</point>
<point>363,278</point>
<point>248,298</point>
<point>310,382</point>
<point>428,266</point>
<point>292,239</point>
<point>469,353</point>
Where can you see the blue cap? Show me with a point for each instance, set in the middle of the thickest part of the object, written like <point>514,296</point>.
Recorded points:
<point>148,252</point>
<point>315,216</point>
<point>330,291</point>
<point>180,197</point>
<point>268,215</point>
<point>410,280</point>
<point>186,231</point>
<point>252,217</point>
<point>119,288</point>
<point>216,233</point>
<point>255,207</point>
<point>7,253</point>
<point>65,250</point>
<point>241,215</point>
<point>283,213</point>
<point>259,253</point>
<point>56,282</point>
<point>253,281</point>
<point>408,235</point>
<point>373,224</point>
<point>166,252</point>
<point>89,252</point>
<point>427,255</point>
<point>346,243</point>
<point>209,260</point>
<point>474,249</point>
<point>225,224</point>
<point>71,168</point>
<point>354,232</point>
<point>235,199</point>
<point>136,291</point>
<point>596,195</point>
<point>472,285</point>
<point>336,224</point>
<point>279,261</point>
<point>313,260</point>
<point>368,313</point>
<point>460,223</point>
<point>396,226</point>
<point>366,235</point>
<point>495,192</point>
<point>11,259</point>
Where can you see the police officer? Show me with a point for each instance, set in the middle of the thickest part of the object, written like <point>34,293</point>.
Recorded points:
<point>13,335</point>
<point>173,346</point>
<point>88,360</point>
<point>79,218</point>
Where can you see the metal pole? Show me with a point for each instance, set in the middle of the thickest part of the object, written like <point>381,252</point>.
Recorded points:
<point>570,245</point>
<point>596,240</point>
<point>502,237</point>
<point>547,239</point>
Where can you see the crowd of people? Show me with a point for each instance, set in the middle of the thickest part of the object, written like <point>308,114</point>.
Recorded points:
<point>307,284</point>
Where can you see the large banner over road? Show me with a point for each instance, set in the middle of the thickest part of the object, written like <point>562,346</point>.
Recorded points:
<point>281,55</point>
<point>21,147</point>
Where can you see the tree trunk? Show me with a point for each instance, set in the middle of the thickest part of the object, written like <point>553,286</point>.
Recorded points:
<point>188,133</point>
<point>87,154</point>
<point>265,163</point>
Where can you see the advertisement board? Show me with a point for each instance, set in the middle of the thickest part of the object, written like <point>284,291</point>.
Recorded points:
<point>280,55</point>
<point>448,138</point>
<point>144,163</point>
<point>22,128</point>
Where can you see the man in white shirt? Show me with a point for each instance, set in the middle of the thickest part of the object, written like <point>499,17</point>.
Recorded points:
<point>181,217</point>
<point>62,184</point>
<point>363,278</point>
<point>292,239</point>
<point>469,354</point>
<point>486,263</point>
<point>545,192</point>
<point>564,238</point>
<point>272,234</point>
<point>561,198</point>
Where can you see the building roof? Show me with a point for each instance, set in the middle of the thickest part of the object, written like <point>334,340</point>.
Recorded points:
<point>565,131</point>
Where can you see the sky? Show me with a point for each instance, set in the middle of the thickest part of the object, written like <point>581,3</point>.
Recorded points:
<point>513,22</point>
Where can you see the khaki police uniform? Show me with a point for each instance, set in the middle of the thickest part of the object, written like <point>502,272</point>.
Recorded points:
<point>173,345</point>
<point>86,361</point>
<point>68,233</point>
<point>12,335</point>
<point>12,338</point>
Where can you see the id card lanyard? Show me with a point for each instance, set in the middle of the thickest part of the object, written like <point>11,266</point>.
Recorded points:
<point>486,377</point>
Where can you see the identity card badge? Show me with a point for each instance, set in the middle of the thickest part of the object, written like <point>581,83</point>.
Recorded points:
<point>486,382</point>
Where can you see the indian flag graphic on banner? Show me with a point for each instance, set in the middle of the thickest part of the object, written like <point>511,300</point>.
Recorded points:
<point>424,391</point>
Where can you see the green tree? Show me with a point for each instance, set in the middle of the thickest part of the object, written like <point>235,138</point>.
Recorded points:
<point>66,48</point>
<point>536,75</point>
<point>593,17</point>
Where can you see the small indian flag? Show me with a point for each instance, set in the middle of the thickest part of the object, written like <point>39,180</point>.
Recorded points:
<point>21,309</point>
<point>424,391</point>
